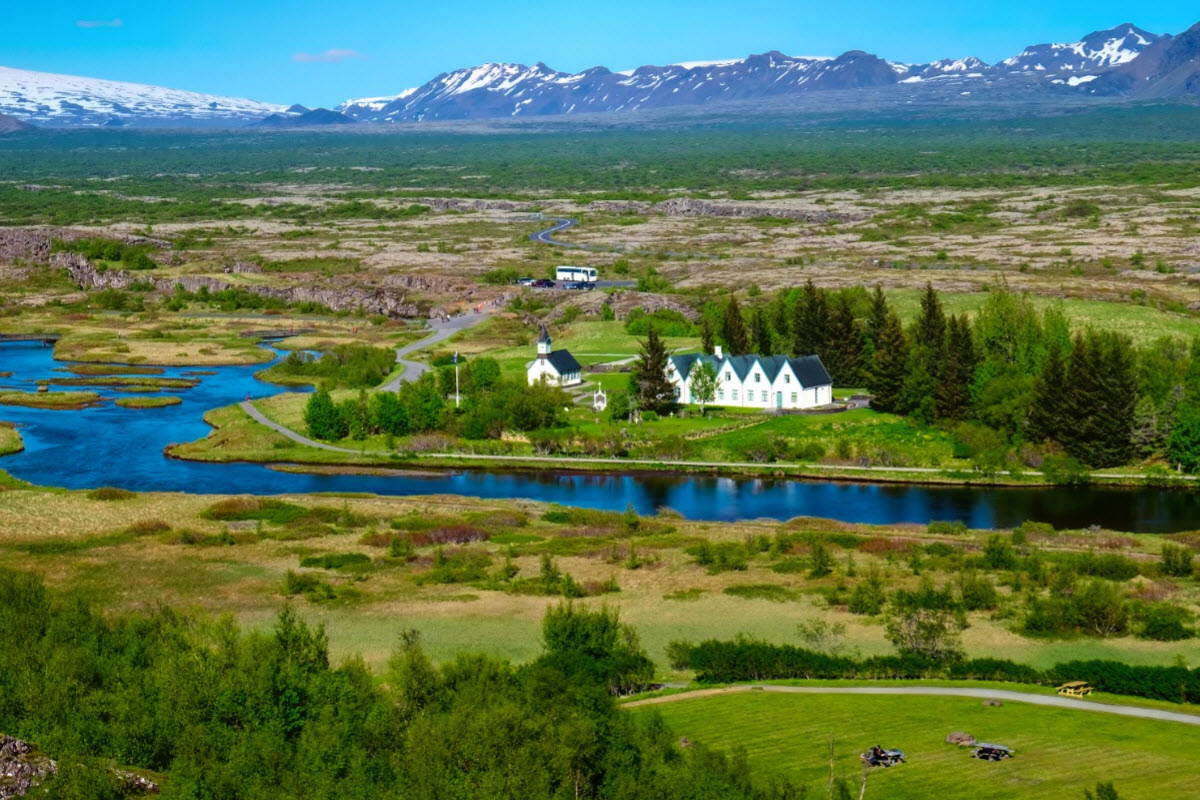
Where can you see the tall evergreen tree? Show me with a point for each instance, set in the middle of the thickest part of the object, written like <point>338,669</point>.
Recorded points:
<point>1048,411</point>
<point>1119,387</point>
<point>760,332</point>
<point>707,343</point>
<point>1100,400</point>
<point>734,332</point>
<point>930,330</point>
<point>890,365</point>
<point>845,349</point>
<point>810,333</point>
<point>649,387</point>
<point>779,315</point>
<point>958,371</point>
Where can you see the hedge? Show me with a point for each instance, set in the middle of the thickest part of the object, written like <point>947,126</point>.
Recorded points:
<point>748,660</point>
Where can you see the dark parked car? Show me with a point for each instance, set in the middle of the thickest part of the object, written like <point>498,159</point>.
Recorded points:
<point>992,752</point>
<point>878,757</point>
<point>543,283</point>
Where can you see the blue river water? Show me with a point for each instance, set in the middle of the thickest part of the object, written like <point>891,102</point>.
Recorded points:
<point>111,446</point>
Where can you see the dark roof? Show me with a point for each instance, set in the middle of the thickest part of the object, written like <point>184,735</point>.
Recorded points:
<point>543,335</point>
<point>808,369</point>
<point>564,362</point>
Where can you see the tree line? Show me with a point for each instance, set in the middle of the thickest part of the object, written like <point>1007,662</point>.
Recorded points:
<point>218,712</point>
<point>1012,381</point>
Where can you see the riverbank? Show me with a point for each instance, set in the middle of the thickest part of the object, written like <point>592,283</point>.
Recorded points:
<point>472,574</point>
<point>239,438</point>
<point>10,440</point>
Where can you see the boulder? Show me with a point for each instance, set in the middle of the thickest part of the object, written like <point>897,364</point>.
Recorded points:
<point>960,738</point>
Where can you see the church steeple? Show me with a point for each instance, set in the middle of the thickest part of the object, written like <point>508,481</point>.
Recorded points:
<point>543,343</point>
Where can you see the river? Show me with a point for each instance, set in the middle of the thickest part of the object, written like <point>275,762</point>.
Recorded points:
<point>111,446</point>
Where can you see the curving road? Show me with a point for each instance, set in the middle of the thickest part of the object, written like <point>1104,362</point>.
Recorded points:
<point>441,330</point>
<point>1052,700</point>
<point>563,223</point>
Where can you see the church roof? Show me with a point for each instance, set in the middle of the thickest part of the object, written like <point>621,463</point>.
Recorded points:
<point>543,336</point>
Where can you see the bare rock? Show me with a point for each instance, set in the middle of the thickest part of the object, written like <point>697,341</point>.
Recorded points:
<point>960,738</point>
<point>690,207</point>
<point>21,768</point>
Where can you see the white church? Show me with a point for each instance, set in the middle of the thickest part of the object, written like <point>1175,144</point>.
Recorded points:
<point>754,381</point>
<point>556,367</point>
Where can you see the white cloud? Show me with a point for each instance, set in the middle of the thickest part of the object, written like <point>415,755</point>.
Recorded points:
<point>99,23</point>
<point>328,57</point>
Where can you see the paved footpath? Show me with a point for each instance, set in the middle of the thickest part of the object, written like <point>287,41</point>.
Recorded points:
<point>941,691</point>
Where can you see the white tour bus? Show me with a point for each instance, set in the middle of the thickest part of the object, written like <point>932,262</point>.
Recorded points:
<point>576,274</point>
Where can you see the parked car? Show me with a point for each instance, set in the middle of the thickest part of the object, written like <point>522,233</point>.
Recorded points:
<point>525,281</point>
<point>543,283</point>
<point>992,752</point>
<point>878,757</point>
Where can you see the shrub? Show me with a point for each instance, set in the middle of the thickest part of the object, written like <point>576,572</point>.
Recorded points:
<point>1176,560</point>
<point>977,592</point>
<point>145,527</point>
<point>307,584</point>
<point>336,560</point>
<point>868,596</point>
<point>998,553</point>
<point>107,493</point>
<point>1164,622</point>
<point>254,508</point>
<point>953,527</point>
<point>760,591</point>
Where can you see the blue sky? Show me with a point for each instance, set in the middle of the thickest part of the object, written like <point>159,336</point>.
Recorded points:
<point>319,52</point>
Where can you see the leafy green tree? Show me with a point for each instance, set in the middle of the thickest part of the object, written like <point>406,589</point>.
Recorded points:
<point>1183,446</point>
<point>323,418</point>
<point>388,414</point>
<point>704,384</point>
<point>733,329</point>
<point>649,387</point>
<point>423,403</point>
<point>932,634</point>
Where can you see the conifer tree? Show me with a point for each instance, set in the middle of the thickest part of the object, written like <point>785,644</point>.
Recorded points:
<point>875,323</point>
<point>845,350</point>
<point>649,386</point>
<point>930,330</point>
<point>734,332</point>
<point>1047,412</point>
<point>760,332</point>
<point>890,365</point>
<point>706,336</point>
<point>810,334</point>
<point>1118,385</point>
<point>958,371</point>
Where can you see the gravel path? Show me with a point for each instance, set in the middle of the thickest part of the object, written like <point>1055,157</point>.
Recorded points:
<point>941,691</point>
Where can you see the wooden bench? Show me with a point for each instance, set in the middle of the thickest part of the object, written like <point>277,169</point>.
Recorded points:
<point>1075,689</point>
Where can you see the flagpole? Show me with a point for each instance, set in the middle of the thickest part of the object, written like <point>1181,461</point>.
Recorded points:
<point>456,392</point>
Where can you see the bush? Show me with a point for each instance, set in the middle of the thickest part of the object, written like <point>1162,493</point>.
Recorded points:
<point>1163,622</point>
<point>998,553</point>
<point>868,596</point>
<point>952,527</point>
<point>107,493</point>
<point>1176,560</point>
<point>761,591</point>
<point>336,560</point>
<point>977,592</point>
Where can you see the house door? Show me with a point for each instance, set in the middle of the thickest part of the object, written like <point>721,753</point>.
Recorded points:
<point>779,399</point>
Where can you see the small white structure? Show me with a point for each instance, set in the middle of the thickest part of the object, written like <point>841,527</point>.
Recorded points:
<point>754,381</point>
<point>557,367</point>
<point>599,401</point>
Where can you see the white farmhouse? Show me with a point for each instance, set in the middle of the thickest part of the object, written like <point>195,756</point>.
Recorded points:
<point>557,367</point>
<point>753,381</point>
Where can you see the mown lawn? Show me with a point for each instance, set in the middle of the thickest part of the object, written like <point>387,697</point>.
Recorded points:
<point>1059,751</point>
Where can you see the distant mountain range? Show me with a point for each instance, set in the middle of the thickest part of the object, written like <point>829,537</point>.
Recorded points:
<point>1123,61</point>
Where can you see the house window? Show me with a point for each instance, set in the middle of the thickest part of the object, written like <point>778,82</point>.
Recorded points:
<point>757,378</point>
<point>793,398</point>
<point>734,394</point>
<point>764,394</point>
<point>787,378</point>
<point>728,375</point>
<point>676,391</point>
<point>720,394</point>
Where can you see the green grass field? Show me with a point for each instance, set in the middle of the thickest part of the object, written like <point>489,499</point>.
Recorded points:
<point>1059,751</point>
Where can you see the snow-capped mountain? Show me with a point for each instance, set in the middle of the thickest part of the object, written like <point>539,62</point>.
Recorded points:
<point>1093,53</point>
<point>47,99</point>
<point>1168,68</point>
<point>517,90</point>
<point>492,90</point>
